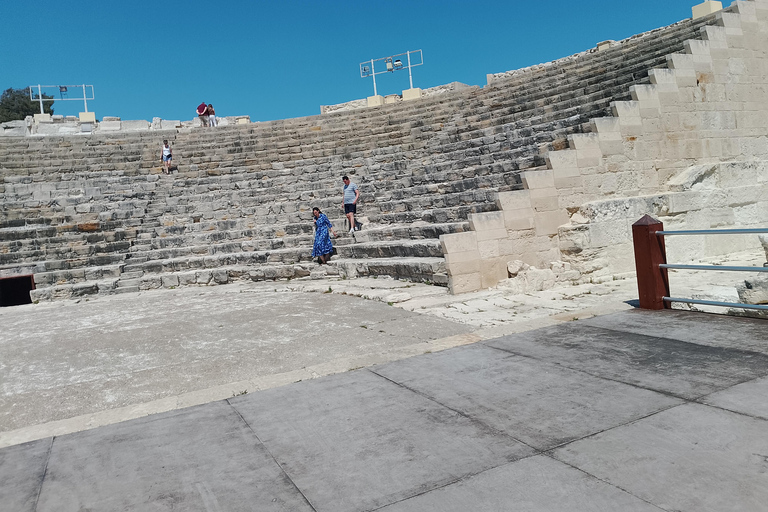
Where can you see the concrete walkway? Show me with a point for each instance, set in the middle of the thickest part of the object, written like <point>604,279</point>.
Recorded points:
<point>632,411</point>
<point>306,395</point>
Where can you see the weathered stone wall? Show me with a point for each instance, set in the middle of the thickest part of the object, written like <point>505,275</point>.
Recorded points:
<point>71,125</point>
<point>690,149</point>
<point>394,98</point>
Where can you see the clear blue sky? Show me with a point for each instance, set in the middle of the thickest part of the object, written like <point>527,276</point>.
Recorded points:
<point>285,58</point>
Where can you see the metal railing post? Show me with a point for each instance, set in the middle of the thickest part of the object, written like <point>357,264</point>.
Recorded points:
<point>652,280</point>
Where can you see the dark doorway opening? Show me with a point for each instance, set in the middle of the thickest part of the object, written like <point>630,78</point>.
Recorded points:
<point>14,291</point>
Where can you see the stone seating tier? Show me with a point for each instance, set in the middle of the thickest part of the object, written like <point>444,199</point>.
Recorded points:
<point>559,78</point>
<point>243,193</point>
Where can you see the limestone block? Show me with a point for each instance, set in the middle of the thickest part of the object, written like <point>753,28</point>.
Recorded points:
<point>109,126</point>
<point>729,20</point>
<point>604,234</point>
<point>14,129</point>
<point>391,98</point>
<point>716,36</point>
<point>565,158</point>
<point>48,129</point>
<point>564,172</point>
<point>590,157</point>
<point>487,225</point>
<point>720,217</point>
<point>220,276</point>
<point>462,257</point>
<point>680,61</point>
<point>459,242</point>
<point>135,125</point>
<point>611,143</point>
<point>412,94</point>
<point>43,118</point>
<point>87,117</point>
<point>520,245</point>
<point>546,223</point>
<point>464,283</point>
<point>745,8</point>
<point>463,263</point>
<point>375,101</point>
<point>563,271</point>
<point>529,279</point>
<point>538,179</point>
<point>514,267</point>
<point>686,77</point>
<point>604,45</point>
<point>647,150</point>
<point>515,220</point>
<point>751,214</point>
<point>753,290</point>
<point>493,271</point>
<point>488,249</point>
<point>764,243</point>
<point>203,277</point>
<point>706,8</point>
<point>645,93</point>
<point>702,63</point>
<point>568,182</point>
<point>513,200</point>
<point>605,124</point>
<point>166,124</point>
<point>628,113</point>
<point>697,47</point>
<point>735,174</point>
<point>171,281</point>
<point>662,76</point>
<point>544,199</point>
<point>583,141</point>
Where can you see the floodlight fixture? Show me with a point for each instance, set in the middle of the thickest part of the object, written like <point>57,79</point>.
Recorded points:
<point>36,94</point>
<point>391,64</point>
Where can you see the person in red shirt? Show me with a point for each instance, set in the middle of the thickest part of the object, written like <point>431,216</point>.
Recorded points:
<point>202,113</point>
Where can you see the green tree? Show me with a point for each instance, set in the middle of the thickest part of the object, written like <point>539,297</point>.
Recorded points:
<point>15,104</point>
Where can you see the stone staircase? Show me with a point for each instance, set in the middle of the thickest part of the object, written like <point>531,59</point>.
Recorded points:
<point>94,214</point>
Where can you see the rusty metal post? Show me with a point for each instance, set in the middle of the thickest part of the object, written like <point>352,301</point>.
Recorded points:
<point>652,281</point>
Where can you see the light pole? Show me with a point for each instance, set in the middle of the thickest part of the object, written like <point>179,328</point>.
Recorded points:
<point>390,64</point>
<point>62,89</point>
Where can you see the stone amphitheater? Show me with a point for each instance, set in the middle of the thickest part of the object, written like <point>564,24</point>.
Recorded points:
<point>548,166</point>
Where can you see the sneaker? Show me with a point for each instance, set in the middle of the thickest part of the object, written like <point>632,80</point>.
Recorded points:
<point>352,231</point>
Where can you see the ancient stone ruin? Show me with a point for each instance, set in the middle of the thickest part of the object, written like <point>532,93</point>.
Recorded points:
<point>545,168</point>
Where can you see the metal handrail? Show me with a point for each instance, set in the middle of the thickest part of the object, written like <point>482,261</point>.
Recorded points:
<point>724,268</point>
<point>714,232</point>
<point>650,255</point>
<point>717,303</point>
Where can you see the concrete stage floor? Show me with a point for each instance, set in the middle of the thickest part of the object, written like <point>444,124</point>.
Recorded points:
<point>632,410</point>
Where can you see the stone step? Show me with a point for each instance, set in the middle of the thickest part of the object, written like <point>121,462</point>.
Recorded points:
<point>130,274</point>
<point>125,289</point>
<point>392,249</point>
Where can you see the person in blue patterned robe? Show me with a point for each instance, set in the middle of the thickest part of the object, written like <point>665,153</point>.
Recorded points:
<point>322,248</point>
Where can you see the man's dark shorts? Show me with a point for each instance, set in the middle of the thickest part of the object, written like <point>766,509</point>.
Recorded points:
<point>350,208</point>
